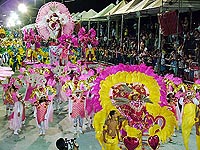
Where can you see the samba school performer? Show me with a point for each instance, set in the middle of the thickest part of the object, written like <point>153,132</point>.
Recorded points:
<point>10,95</point>
<point>190,109</point>
<point>7,99</point>
<point>77,110</point>
<point>43,107</point>
<point>17,118</point>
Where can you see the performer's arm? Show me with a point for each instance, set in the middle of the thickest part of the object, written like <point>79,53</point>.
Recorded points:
<point>18,109</point>
<point>70,105</point>
<point>117,130</point>
<point>105,128</point>
<point>197,121</point>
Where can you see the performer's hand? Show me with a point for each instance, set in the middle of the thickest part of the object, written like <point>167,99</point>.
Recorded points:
<point>120,139</point>
<point>197,132</point>
<point>105,141</point>
<point>18,114</point>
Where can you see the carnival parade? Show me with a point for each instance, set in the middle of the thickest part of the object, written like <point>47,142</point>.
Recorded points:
<point>68,85</point>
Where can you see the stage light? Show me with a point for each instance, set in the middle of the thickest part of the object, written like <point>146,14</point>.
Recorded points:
<point>22,8</point>
<point>13,16</point>
<point>19,22</point>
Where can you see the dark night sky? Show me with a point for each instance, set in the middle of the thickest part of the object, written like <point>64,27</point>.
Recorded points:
<point>75,6</point>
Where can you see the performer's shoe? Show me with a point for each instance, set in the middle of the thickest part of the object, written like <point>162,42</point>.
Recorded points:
<point>16,133</point>
<point>40,133</point>
<point>80,130</point>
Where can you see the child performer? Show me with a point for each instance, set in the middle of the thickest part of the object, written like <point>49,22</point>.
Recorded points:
<point>18,116</point>
<point>8,101</point>
<point>77,109</point>
<point>44,111</point>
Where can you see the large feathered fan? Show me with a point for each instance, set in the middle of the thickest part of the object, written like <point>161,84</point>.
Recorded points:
<point>53,20</point>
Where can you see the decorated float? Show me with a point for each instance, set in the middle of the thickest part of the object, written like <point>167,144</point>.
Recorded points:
<point>139,95</point>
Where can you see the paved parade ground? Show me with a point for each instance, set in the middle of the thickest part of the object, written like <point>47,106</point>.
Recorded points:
<point>28,139</point>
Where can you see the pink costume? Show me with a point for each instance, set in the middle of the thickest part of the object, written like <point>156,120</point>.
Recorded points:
<point>44,114</point>
<point>17,117</point>
<point>78,107</point>
<point>14,96</point>
<point>28,92</point>
<point>77,111</point>
<point>41,111</point>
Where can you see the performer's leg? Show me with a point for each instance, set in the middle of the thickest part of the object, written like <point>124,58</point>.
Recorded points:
<point>40,129</point>
<point>43,128</point>
<point>80,124</point>
<point>10,109</point>
<point>7,109</point>
<point>91,120</point>
<point>75,124</point>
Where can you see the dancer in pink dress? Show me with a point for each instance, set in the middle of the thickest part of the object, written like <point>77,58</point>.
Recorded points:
<point>17,118</point>
<point>41,114</point>
<point>77,110</point>
<point>43,108</point>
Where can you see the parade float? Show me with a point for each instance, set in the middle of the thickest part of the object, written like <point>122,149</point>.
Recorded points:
<point>139,95</point>
<point>53,21</point>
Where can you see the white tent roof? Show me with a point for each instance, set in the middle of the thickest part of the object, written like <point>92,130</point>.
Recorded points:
<point>185,5</point>
<point>192,4</point>
<point>124,9</point>
<point>72,14</point>
<point>140,6</point>
<point>117,7</point>
<point>86,16</point>
<point>103,12</point>
<point>78,16</point>
<point>74,17</point>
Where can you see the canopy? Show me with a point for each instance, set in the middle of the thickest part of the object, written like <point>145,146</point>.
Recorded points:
<point>184,5</point>
<point>128,6</point>
<point>78,16</point>
<point>140,6</point>
<point>116,8</point>
<point>72,14</point>
<point>86,16</point>
<point>103,12</point>
<point>75,17</point>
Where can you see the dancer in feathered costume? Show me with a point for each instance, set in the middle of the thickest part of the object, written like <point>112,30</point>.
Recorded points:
<point>42,101</point>
<point>190,106</point>
<point>174,85</point>
<point>7,99</point>
<point>33,44</point>
<point>88,41</point>
<point>9,95</point>
<point>60,77</point>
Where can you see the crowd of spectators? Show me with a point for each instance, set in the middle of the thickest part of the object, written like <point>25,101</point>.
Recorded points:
<point>178,54</point>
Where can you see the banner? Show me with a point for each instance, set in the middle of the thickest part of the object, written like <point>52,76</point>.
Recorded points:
<point>168,22</point>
